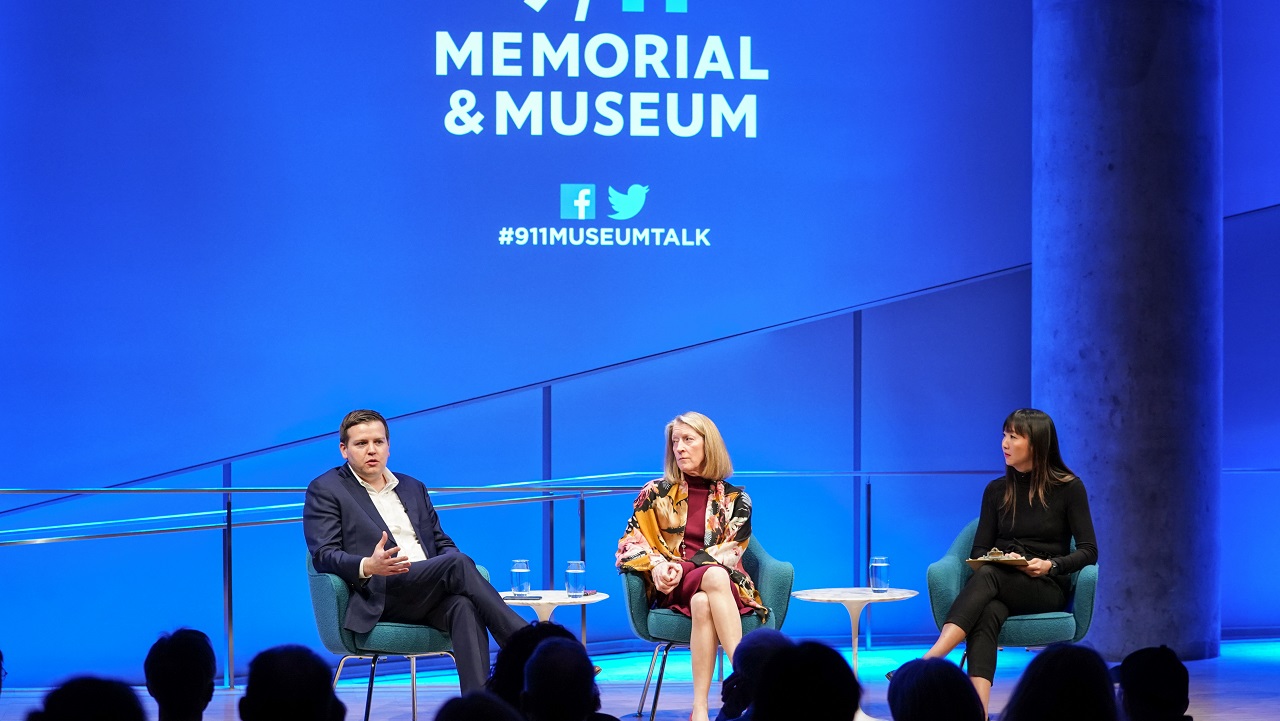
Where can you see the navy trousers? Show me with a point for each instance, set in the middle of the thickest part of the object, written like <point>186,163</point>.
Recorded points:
<point>448,593</point>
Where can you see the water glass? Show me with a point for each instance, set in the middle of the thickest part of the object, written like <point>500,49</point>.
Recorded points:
<point>878,574</point>
<point>520,577</point>
<point>575,578</point>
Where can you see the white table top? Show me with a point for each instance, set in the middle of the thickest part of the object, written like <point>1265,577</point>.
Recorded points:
<point>552,598</point>
<point>845,595</point>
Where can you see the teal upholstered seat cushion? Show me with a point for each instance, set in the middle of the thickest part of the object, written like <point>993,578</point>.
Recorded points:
<point>402,639</point>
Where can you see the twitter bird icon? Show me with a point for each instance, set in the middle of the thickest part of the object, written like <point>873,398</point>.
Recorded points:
<point>627,205</point>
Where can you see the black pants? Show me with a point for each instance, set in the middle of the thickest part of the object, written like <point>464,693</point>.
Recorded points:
<point>992,595</point>
<point>448,593</point>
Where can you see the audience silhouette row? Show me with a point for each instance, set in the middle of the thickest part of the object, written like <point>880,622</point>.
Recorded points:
<point>286,683</point>
<point>1064,682</point>
<point>545,674</point>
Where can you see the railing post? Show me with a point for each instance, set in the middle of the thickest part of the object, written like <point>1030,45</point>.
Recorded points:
<point>866,563</point>
<point>582,550</point>
<point>228,617</point>
<point>858,497</point>
<point>548,507</point>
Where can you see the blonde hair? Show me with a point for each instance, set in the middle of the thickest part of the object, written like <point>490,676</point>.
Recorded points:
<point>716,465</point>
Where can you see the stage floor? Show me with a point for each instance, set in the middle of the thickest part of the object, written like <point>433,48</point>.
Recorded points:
<point>1243,684</point>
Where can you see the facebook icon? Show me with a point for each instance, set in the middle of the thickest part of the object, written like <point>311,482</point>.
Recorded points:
<point>577,201</point>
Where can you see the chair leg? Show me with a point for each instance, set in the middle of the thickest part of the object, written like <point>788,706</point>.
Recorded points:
<point>368,699</point>
<point>413,685</point>
<point>338,674</point>
<point>657,690</point>
<point>964,655</point>
<point>653,660</point>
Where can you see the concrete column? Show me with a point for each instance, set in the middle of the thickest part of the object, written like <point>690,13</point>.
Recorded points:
<point>1127,299</point>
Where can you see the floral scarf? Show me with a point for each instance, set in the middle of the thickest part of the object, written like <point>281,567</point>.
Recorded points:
<point>656,529</point>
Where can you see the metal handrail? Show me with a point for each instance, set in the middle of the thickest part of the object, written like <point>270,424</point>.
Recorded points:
<point>547,489</point>
<point>508,488</point>
<point>546,493</point>
<point>593,493</point>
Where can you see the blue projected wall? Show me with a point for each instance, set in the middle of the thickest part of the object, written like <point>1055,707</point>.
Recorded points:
<point>215,209</point>
<point>224,225</point>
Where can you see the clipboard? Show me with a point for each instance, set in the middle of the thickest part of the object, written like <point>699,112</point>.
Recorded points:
<point>976,563</point>
<point>995,555</point>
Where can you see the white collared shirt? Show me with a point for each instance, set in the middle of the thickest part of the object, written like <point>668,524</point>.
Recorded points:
<point>393,513</point>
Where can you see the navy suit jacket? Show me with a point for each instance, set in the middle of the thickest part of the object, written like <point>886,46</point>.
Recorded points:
<point>342,526</point>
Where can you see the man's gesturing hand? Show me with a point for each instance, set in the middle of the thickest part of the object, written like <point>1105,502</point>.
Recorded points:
<point>385,562</point>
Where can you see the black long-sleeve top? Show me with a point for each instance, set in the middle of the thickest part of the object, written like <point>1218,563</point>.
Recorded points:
<point>1036,531</point>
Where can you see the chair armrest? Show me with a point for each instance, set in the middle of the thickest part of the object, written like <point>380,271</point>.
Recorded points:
<point>637,604</point>
<point>774,580</point>
<point>945,577</point>
<point>329,599</point>
<point>1082,607</point>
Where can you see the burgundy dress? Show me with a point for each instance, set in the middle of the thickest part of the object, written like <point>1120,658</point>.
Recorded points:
<point>694,540</point>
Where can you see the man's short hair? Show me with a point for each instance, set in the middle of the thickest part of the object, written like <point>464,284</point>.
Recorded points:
<point>355,418</point>
<point>756,648</point>
<point>180,668</point>
<point>738,691</point>
<point>559,682</point>
<point>506,681</point>
<point>807,681</point>
<point>87,698</point>
<point>1154,684</point>
<point>477,706</point>
<point>290,683</point>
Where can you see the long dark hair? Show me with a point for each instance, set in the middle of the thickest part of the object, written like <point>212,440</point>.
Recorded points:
<point>1047,467</point>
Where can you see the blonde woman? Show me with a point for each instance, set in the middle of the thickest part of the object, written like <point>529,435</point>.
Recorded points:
<point>686,536</point>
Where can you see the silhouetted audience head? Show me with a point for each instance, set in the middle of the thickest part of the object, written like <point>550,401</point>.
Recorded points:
<point>1063,683</point>
<point>754,650</point>
<point>477,706</point>
<point>1154,685</point>
<point>809,681</point>
<point>290,683</point>
<point>180,668</point>
<point>559,682</point>
<point>933,689</point>
<point>3,671</point>
<point>86,698</point>
<point>507,679</point>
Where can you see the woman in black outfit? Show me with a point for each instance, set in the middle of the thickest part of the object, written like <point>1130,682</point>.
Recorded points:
<point>1033,511</point>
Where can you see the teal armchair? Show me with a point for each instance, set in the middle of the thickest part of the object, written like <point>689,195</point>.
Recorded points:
<point>773,579</point>
<point>329,598</point>
<point>948,575</point>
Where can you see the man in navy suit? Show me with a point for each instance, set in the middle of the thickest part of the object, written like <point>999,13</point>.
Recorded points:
<point>355,511</point>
